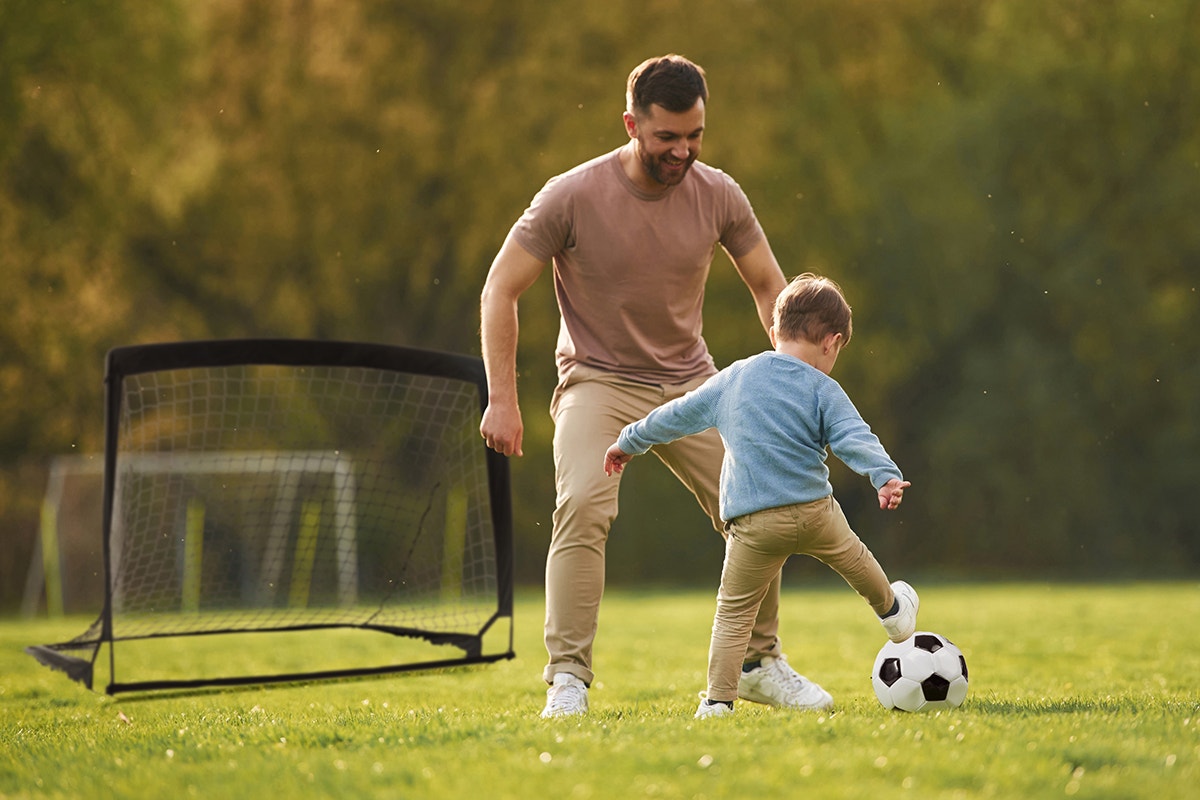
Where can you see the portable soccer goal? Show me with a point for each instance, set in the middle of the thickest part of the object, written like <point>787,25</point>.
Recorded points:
<point>271,507</point>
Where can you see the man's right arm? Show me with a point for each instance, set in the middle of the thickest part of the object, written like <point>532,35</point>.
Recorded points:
<point>512,272</point>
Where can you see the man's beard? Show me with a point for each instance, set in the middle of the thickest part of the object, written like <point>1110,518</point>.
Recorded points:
<point>655,168</point>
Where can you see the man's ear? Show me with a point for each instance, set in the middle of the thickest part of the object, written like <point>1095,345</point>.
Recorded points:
<point>630,124</point>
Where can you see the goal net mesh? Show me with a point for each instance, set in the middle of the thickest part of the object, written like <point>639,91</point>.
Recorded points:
<point>260,485</point>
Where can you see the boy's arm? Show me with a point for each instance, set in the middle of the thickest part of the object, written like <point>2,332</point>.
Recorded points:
<point>851,440</point>
<point>681,417</point>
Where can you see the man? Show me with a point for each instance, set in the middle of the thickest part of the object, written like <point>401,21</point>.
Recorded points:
<point>631,236</point>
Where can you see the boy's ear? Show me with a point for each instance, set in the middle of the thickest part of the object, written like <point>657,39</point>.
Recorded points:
<point>832,340</point>
<point>771,334</point>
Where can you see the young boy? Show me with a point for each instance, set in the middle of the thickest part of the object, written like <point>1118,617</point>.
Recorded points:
<point>777,412</point>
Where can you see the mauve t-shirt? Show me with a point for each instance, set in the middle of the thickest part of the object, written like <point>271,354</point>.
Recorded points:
<point>630,267</point>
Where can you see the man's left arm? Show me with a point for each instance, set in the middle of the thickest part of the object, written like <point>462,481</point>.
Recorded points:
<point>763,277</point>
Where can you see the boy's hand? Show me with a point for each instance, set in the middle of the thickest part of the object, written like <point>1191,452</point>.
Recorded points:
<point>892,493</point>
<point>615,460</point>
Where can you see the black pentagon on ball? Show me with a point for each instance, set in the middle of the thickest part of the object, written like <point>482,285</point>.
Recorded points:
<point>962,663</point>
<point>935,687</point>
<point>889,671</point>
<point>927,642</point>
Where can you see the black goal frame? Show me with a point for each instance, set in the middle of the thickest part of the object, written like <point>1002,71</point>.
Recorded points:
<point>122,362</point>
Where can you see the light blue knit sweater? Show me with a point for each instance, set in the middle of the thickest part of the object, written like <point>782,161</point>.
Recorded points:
<point>776,415</point>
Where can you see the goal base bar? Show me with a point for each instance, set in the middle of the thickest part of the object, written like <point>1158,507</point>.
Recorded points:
<point>302,677</point>
<point>80,670</point>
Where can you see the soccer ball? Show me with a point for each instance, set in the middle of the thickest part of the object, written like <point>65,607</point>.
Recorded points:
<point>923,673</point>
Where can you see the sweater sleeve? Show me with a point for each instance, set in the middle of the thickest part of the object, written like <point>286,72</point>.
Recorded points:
<point>851,440</point>
<point>681,417</point>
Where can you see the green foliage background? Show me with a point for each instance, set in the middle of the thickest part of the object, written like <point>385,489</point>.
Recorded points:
<point>1006,189</point>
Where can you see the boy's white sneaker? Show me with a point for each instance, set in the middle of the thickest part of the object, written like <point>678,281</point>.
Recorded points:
<point>708,711</point>
<point>775,683</point>
<point>566,697</point>
<point>903,623</point>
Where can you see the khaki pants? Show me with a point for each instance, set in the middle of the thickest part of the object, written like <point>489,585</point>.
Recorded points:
<point>757,546</point>
<point>590,407</point>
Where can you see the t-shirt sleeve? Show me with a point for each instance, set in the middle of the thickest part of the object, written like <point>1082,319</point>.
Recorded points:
<point>545,227</point>
<point>742,231</point>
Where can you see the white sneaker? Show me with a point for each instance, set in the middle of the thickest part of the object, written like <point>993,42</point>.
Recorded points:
<point>566,697</point>
<point>775,683</point>
<point>706,711</point>
<point>903,623</point>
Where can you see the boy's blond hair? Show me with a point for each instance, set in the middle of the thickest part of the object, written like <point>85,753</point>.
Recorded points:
<point>810,308</point>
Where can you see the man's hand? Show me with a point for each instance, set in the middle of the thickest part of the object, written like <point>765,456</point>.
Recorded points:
<point>892,493</point>
<point>615,460</point>
<point>502,428</point>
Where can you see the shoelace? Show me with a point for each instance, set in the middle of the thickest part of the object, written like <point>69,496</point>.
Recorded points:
<point>787,676</point>
<point>565,698</point>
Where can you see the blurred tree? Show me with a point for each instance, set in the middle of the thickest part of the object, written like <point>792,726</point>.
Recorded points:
<point>1029,224</point>
<point>1004,189</point>
<point>86,90</point>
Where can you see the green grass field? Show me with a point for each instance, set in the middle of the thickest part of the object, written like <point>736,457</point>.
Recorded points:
<point>1091,691</point>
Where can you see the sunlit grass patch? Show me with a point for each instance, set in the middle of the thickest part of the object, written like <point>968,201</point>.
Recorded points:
<point>1087,691</point>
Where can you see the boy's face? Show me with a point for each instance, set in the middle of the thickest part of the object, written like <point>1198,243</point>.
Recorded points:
<point>667,143</point>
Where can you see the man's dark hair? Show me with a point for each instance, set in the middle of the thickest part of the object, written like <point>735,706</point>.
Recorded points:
<point>671,81</point>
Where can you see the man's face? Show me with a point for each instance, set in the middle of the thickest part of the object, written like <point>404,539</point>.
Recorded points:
<point>666,142</point>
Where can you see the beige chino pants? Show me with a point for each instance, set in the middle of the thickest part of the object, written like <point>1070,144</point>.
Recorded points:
<point>590,407</point>
<point>756,547</point>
